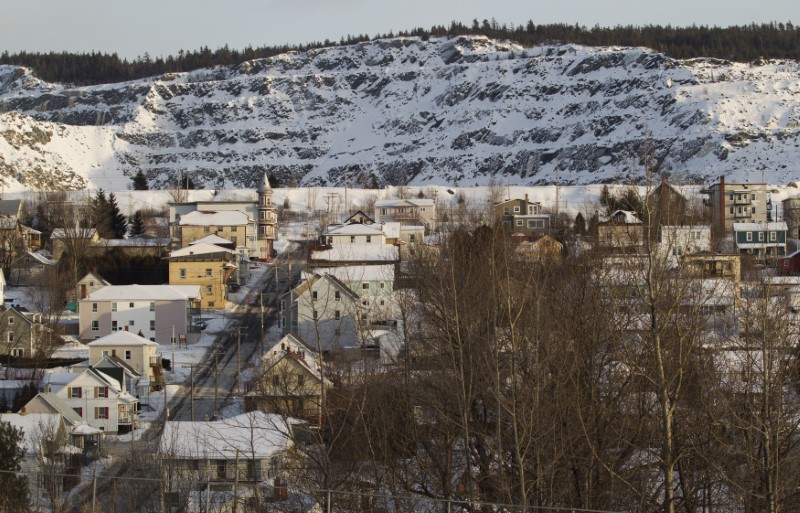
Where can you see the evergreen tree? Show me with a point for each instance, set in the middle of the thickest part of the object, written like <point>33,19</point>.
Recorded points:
<point>14,495</point>
<point>140,182</point>
<point>101,215</point>
<point>117,220</point>
<point>137,224</point>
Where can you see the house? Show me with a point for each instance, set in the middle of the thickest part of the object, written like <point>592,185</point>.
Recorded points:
<point>239,451</point>
<point>66,239</point>
<point>359,217</point>
<point>541,249</point>
<point>790,264</point>
<point>674,241</point>
<point>100,400</point>
<point>621,232</point>
<point>736,203</point>
<point>523,217</point>
<point>417,211</point>
<point>82,435</point>
<point>23,334</point>
<point>136,383</point>
<point>158,312</point>
<point>324,312</point>
<point>138,246</point>
<point>354,233</point>
<point>373,284</point>
<point>761,241</point>
<point>13,234</point>
<point>666,206</point>
<point>708,265</point>
<point>228,224</point>
<point>354,255</point>
<point>290,382</point>
<point>90,283</point>
<point>207,265</point>
<point>140,354</point>
<point>32,268</point>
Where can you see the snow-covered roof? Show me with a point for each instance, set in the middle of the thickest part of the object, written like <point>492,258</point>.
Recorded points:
<point>214,218</point>
<point>34,426</point>
<point>40,258</point>
<point>200,249</point>
<point>750,227</point>
<point>623,216</point>
<point>357,253</point>
<point>121,338</point>
<point>360,273</point>
<point>354,229</point>
<point>252,435</point>
<point>71,349</point>
<point>211,239</point>
<point>136,242</point>
<point>68,233</point>
<point>144,292</point>
<point>395,202</point>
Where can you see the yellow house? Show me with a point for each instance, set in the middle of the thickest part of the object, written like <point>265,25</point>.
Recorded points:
<point>228,224</point>
<point>206,265</point>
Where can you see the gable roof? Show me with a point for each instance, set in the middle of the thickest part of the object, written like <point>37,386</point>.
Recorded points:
<point>121,339</point>
<point>144,292</point>
<point>359,213</point>
<point>750,227</point>
<point>211,239</point>
<point>96,276</point>
<point>354,229</point>
<point>38,257</point>
<point>396,202</point>
<point>10,207</point>
<point>202,248</point>
<point>356,273</point>
<point>357,253</point>
<point>77,233</point>
<point>252,435</point>
<point>309,283</point>
<point>54,403</point>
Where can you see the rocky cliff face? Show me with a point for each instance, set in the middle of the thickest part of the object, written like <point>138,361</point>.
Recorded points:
<point>457,111</point>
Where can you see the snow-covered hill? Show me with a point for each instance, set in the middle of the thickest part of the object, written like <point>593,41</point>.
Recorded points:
<point>463,111</point>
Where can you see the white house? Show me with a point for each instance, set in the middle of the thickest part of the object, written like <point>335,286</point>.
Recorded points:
<point>355,233</point>
<point>676,241</point>
<point>100,400</point>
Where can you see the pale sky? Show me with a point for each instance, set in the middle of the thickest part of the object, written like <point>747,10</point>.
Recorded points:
<point>162,27</point>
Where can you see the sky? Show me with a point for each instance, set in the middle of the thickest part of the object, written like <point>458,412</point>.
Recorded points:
<point>163,27</point>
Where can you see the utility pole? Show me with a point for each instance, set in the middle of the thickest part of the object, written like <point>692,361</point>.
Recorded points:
<point>261,296</point>
<point>216,382</point>
<point>238,360</point>
<point>191,396</point>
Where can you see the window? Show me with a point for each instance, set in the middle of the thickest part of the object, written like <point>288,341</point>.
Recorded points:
<point>352,239</point>
<point>17,352</point>
<point>535,223</point>
<point>301,380</point>
<point>754,197</point>
<point>760,236</point>
<point>749,236</point>
<point>206,229</point>
<point>130,322</point>
<point>337,314</point>
<point>753,210</point>
<point>182,273</point>
<point>369,239</point>
<point>95,325</point>
<point>113,307</point>
<point>519,222</point>
<point>233,228</point>
<point>221,469</point>
<point>152,325</point>
<point>208,273</point>
<point>314,313</point>
<point>101,391</point>
<point>412,238</point>
<point>276,380</point>
<point>10,319</point>
<point>365,286</point>
<point>731,210</point>
<point>130,305</point>
<point>75,392</point>
<point>94,307</point>
<point>10,337</point>
<point>516,209</point>
<point>365,302</point>
<point>506,211</point>
<point>337,295</point>
<point>114,326</point>
<point>152,306</point>
<point>283,305</point>
<point>209,289</point>
<point>695,235</point>
<point>383,302</point>
<point>211,304</point>
<point>127,354</point>
<point>773,236</point>
<point>79,411</point>
<point>313,295</point>
<point>101,412</point>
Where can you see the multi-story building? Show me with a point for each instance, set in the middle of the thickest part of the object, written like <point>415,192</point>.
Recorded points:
<point>207,265</point>
<point>137,352</point>
<point>418,211</point>
<point>157,312</point>
<point>521,216</point>
<point>23,335</point>
<point>736,203</point>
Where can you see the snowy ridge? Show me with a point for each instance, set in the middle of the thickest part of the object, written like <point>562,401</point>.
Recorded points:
<point>461,111</point>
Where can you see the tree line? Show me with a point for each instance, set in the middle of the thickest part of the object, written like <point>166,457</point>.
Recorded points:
<point>743,43</point>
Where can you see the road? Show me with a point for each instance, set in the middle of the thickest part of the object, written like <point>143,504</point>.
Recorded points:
<point>215,379</point>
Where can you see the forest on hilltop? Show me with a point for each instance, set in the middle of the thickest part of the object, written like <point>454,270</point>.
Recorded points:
<point>737,43</point>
